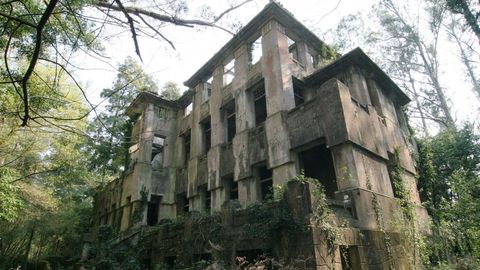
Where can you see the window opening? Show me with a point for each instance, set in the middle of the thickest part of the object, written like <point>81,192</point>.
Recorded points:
<point>207,134</point>
<point>231,188</point>
<point>292,48</point>
<point>266,182</point>
<point>183,204</point>
<point>186,144</point>
<point>207,89</point>
<point>153,210</point>
<point>260,104</point>
<point>231,120</point>
<point>255,51</point>
<point>228,72</point>
<point>157,151</point>
<point>208,200</point>
<point>298,92</point>
<point>188,109</point>
<point>317,163</point>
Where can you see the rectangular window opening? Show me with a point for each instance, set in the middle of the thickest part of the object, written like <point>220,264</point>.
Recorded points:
<point>266,182</point>
<point>231,188</point>
<point>157,151</point>
<point>188,109</point>
<point>207,134</point>
<point>298,92</point>
<point>260,104</point>
<point>230,115</point>
<point>292,49</point>
<point>255,51</point>
<point>153,210</point>
<point>186,146</point>
<point>317,163</point>
<point>228,72</point>
<point>183,204</point>
<point>207,89</point>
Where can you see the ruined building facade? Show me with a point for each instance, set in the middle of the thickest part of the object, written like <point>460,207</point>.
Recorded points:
<point>274,102</point>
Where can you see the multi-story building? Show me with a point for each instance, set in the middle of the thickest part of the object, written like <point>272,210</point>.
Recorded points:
<point>275,101</point>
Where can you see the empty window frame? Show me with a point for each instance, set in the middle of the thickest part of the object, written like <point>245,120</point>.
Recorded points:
<point>206,196</point>
<point>230,116</point>
<point>255,51</point>
<point>260,103</point>
<point>188,109</point>
<point>292,49</point>
<point>231,188</point>
<point>265,182</point>
<point>228,72</point>
<point>157,151</point>
<point>186,146</point>
<point>207,89</point>
<point>298,92</point>
<point>317,163</point>
<point>183,204</point>
<point>153,210</point>
<point>207,134</point>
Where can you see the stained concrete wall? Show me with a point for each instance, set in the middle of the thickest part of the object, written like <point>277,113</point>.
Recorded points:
<point>359,122</point>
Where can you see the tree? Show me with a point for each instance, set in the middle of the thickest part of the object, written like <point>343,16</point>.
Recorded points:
<point>45,183</point>
<point>112,127</point>
<point>449,184</point>
<point>170,91</point>
<point>464,7</point>
<point>50,31</point>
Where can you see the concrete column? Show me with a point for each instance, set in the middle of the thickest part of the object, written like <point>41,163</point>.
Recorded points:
<point>218,124</point>
<point>276,64</point>
<point>217,121</point>
<point>245,113</point>
<point>196,143</point>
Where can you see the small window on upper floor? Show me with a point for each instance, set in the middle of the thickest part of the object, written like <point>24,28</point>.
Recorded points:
<point>186,147</point>
<point>266,182</point>
<point>157,151</point>
<point>260,104</point>
<point>255,51</point>
<point>228,72</point>
<point>207,89</point>
<point>207,134</point>
<point>292,48</point>
<point>298,92</point>
<point>188,109</point>
<point>230,116</point>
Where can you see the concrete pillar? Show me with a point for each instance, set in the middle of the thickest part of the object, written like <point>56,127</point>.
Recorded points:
<point>217,121</point>
<point>244,107</point>
<point>218,124</point>
<point>276,64</point>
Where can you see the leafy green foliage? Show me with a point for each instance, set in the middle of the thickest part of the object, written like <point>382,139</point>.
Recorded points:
<point>170,91</point>
<point>112,128</point>
<point>449,184</point>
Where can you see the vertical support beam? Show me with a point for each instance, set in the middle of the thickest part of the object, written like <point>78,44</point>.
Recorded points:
<point>276,65</point>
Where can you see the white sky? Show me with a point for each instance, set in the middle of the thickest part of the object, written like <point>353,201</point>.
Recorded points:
<point>195,46</point>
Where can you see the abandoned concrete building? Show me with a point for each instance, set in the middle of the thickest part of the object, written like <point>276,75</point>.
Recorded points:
<point>274,103</point>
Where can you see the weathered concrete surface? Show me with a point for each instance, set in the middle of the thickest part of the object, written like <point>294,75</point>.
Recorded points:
<point>350,108</point>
